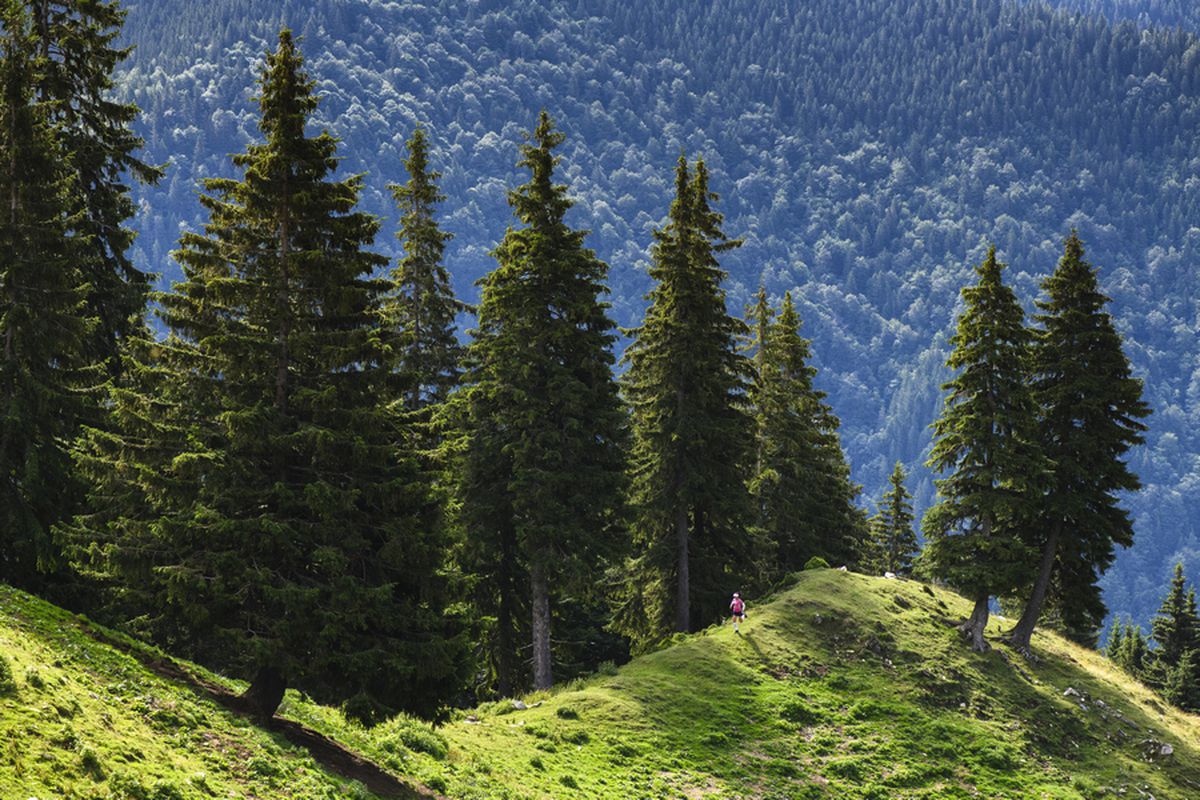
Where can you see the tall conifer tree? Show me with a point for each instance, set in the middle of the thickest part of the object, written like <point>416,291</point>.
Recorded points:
<point>801,482</point>
<point>43,319</point>
<point>693,439</point>
<point>422,309</point>
<point>75,41</point>
<point>544,466</point>
<point>1090,411</point>
<point>1174,630</point>
<point>895,540</point>
<point>986,440</point>
<point>290,534</point>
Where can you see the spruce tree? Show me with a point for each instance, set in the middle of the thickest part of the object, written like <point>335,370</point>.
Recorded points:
<point>1181,683</point>
<point>895,539</point>
<point>78,56</point>
<point>544,464</point>
<point>44,323</point>
<point>1090,407</point>
<point>692,438</point>
<point>291,537</point>
<point>422,307</point>
<point>1116,640</point>
<point>986,440</point>
<point>1174,630</point>
<point>1133,653</point>
<point>801,482</point>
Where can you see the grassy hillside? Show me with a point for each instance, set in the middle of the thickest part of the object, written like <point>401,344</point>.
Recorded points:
<point>841,686</point>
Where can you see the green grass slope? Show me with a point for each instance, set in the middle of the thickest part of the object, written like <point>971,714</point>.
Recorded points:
<point>842,686</point>
<point>82,718</point>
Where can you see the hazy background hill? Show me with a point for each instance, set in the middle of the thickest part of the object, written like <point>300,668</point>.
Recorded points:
<point>867,150</point>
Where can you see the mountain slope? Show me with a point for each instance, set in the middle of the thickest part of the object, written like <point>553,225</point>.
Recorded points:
<point>841,686</point>
<point>867,152</point>
<point>86,713</point>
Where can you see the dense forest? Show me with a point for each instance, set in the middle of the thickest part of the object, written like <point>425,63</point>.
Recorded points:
<point>866,154</point>
<point>306,460</point>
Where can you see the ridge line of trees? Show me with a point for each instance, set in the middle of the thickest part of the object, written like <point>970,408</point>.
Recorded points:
<point>309,482</point>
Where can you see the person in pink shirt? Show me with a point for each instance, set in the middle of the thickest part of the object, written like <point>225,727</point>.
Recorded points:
<point>737,608</point>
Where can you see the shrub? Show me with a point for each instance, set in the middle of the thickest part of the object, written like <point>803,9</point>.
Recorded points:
<point>91,763</point>
<point>569,782</point>
<point>576,737</point>
<point>34,678</point>
<point>414,736</point>
<point>796,710</point>
<point>8,684</point>
<point>566,712</point>
<point>816,562</point>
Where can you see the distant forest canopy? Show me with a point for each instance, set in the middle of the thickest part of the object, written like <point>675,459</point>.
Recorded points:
<point>1164,13</point>
<point>867,153</point>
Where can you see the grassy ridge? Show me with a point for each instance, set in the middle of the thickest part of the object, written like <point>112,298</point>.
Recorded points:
<point>841,687</point>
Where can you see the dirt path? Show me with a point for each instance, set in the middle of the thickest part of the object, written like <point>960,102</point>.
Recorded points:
<point>327,752</point>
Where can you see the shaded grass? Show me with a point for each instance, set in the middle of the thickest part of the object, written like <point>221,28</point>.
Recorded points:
<point>85,720</point>
<point>841,686</point>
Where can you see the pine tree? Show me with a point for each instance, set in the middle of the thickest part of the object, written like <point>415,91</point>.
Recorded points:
<point>692,438</point>
<point>1174,630</point>
<point>1090,406</point>
<point>801,482</point>
<point>291,535</point>
<point>544,465</point>
<point>1181,684</point>
<point>1116,640</point>
<point>986,438</point>
<point>422,308</point>
<point>75,41</point>
<point>1133,653</point>
<point>43,320</point>
<point>895,539</point>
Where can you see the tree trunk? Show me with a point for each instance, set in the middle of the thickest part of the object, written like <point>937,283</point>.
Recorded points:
<point>974,627</point>
<point>283,358</point>
<point>1021,635</point>
<point>506,621</point>
<point>264,695</point>
<point>543,677</point>
<point>683,618</point>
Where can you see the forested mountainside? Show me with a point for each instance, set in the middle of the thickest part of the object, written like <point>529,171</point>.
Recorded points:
<point>867,152</point>
<point>1165,13</point>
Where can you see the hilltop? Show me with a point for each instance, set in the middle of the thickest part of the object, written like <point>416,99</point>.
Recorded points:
<point>841,686</point>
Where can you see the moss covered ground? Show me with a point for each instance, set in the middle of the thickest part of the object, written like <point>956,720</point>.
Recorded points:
<point>841,686</point>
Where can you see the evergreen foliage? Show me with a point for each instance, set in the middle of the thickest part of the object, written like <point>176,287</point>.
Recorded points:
<point>44,321</point>
<point>267,492</point>
<point>986,438</point>
<point>895,541</point>
<point>1175,631</point>
<point>867,169</point>
<point>1181,683</point>
<point>78,56</point>
<point>1090,412</point>
<point>692,438</point>
<point>422,308</point>
<point>1132,654</point>
<point>543,463</point>
<point>801,482</point>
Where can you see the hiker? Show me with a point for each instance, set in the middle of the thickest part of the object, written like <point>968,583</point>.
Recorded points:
<point>737,607</point>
